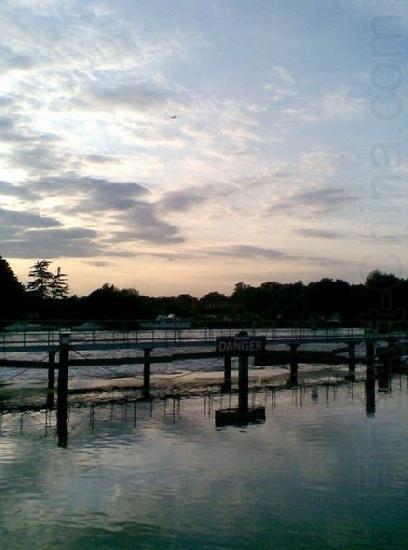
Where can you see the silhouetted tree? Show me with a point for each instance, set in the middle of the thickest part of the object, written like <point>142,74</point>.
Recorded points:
<point>11,291</point>
<point>386,298</point>
<point>381,301</point>
<point>379,280</point>
<point>214,302</point>
<point>59,285</point>
<point>40,279</point>
<point>110,302</point>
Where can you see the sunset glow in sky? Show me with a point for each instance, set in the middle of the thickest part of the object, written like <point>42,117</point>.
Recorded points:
<point>185,145</point>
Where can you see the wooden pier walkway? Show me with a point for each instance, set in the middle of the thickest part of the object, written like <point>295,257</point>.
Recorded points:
<point>41,342</point>
<point>193,345</point>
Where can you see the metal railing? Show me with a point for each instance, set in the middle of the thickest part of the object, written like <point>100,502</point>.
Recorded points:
<point>115,338</point>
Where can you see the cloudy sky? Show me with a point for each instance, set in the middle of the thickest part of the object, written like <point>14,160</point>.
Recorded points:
<point>184,146</point>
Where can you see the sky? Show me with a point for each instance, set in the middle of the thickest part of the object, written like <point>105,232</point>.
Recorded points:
<point>184,146</point>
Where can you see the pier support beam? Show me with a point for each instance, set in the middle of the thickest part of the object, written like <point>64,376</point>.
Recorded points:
<point>370,392</point>
<point>243,384</point>
<point>146,373</point>
<point>393,352</point>
<point>227,372</point>
<point>51,370</point>
<point>384,376</point>
<point>294,365</point>
<point>370,355</point>
<point>390,356</point>
<point>62,391</point>
<point>352,357</point>
<point>370,382</point>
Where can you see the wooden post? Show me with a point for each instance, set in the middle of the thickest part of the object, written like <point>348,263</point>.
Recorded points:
<point>393,352</point>
<point>146,373</point>
<point>293,360</point>
<point>62,392</point>
<point>370,382</point>
<point>227,372</point>
<point>384,376</point>
<point>370,354</point>
<point>352,356</point>
<point>51,370</point>
<point>370,392</point>
<point>389,357</point>
<point>243,383</point>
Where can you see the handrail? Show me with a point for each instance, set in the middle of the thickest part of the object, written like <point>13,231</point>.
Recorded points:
<point>49,338</point>
<point>113,340</point>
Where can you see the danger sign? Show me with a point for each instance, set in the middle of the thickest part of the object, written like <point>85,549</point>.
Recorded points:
<point>235,345</point>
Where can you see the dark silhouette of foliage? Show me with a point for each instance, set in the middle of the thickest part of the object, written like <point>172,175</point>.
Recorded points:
<point>11,292</point>
<point>109,302</point>
<point>382,300</point>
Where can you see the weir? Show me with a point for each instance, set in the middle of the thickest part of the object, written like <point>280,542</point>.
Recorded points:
<point>259,346</point>
<point>387,347</point>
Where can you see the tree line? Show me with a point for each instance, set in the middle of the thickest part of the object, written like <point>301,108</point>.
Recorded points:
<point>382,298</point>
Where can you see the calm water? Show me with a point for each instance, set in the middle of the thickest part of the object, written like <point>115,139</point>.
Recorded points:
<point>321,472</point>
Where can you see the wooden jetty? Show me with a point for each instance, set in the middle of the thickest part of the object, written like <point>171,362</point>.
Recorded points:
<point>193,345</point>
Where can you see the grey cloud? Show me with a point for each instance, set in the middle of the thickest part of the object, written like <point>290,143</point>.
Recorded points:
<point>145,225</point>
<point>110,92</point>
<point>10,60</point>
<point>33,151</point>
<point>7,101</point>
<point>72,233</point>
<point>13,190</point>
<point>23,220</point>
<point>38,157</point>
<point>247,251</point>
<point>91,194</point>
<point>320,233</point>
<point>101,159</point>
<point>68,242</point>
<point>391,238</point>
<point>11,132</point>
<point>319,201</point>
<point>153,229</point>
<point>257,252</point>
<point>181,200</point>
<point>139,218</point>
<point>8,232</point>
<point>36,152</point>
<point>27,235</point>
<point>53,249</point>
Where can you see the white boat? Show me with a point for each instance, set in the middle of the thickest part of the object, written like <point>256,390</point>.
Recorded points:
<point>166,322</point>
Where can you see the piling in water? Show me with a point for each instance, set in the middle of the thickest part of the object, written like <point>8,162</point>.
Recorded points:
<point>146,373</point>
<point>243,383</point>
<point>227,372</point>
<point>294,365</point>
<point>51,370</point>
<point>62,391</point>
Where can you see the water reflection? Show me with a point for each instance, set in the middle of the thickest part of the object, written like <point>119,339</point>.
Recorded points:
<point>370,393</point>
<point>158,473</point>
<point>242,400</point>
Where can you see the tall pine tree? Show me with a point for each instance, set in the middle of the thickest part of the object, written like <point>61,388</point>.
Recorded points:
<point>40,279</point>
<point>59,285</point>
